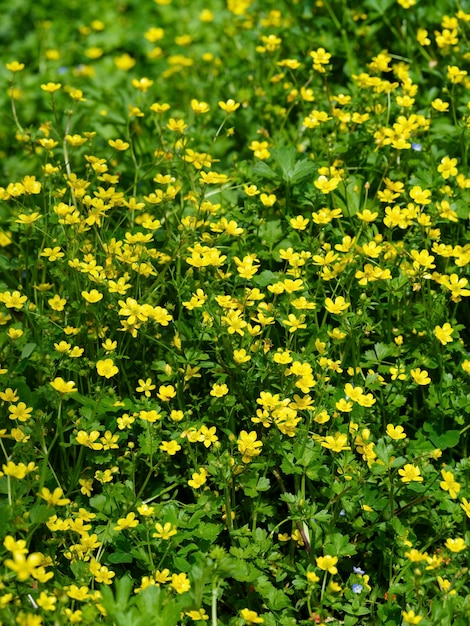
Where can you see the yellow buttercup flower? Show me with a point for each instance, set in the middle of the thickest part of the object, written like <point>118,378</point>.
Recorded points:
<point>410,473</point>
<point>106,368</point>
<point>60,385</point>
<point>327,563</point>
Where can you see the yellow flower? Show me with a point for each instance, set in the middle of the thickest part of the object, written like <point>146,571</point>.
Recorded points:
<point>19,412</point>
<point>207,435</point>
<point>109,345</point>
<point>415,556</point>
<point>199,107</point>
<point>146,387</point>
<point>55,498</point>
<point>164,532</point>
<point>466,506</point>
<point>445,585</point>
<point>160,108</point>
<point>60,385</point>
<point>76,140</point>
<point>327,563</point>
<point>23,566</point>
<point>410,617</point>
<point>166,392</point>
<point>338,306</point>
<point>14,66</point>
<point>396,432</point>
<point>326,185</point>
<point>145,509</point>
<point>444,333</point>
<point>320,58</point>
<point>180,583</point>
<point>241,356</point>
<point>28,219</point>
<point>177,126</point>
<point>51,87</point>
<point>367,215</point>
<point>447,167</point>
<point>101,573</point>
<point>248,445</point>
<point>212,178</point>
<point>312,578</point>
<point>455,545</point>
<point>142,84</point>
<point>251,190</point>
<point>198,478</point>
<point>449,483</point>
<point>268,200</point>
<point>422,37</point>
<point>170,447</point>
<point>420,196</point>
<point>78,593</point>
<point>455,75</point>
<point>229,106</point>
<point>13,300</point>
<point>129,521</point>
<point>251,617</point>
<point>118,144</point>
<point>420,376</point>
<point>106,368</point>
<point>410,473</point>
<point>57,303</point>
<point>176,415</point>
<point>439,105</point>
<point>47,603</point>
<point>14,333</point>
<point>92,296</point>
<point>124,62</point>
<point>218,391</point>
<point>294,323</point>
<point>19,470</point>
<point>336,443</point>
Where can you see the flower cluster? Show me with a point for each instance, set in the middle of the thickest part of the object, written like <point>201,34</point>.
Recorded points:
<point>234,349</point>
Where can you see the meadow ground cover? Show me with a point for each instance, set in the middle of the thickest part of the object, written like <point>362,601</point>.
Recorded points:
<point>234,367</point>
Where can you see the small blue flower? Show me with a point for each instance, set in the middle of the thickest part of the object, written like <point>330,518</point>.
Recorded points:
<point>417,147</point>
<point>356,588</point>
<point>342,513</point>
<point>358,570</point>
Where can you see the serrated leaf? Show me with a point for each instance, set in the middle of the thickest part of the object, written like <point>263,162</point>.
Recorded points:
<point>207,531</point>
<point>40,513</point>
<point>271,232</point>
<point>302,170</point>
<point>264,171</point>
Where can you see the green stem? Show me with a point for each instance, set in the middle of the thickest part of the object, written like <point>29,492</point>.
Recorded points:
<point>7,458</point>
<point>214,603</point>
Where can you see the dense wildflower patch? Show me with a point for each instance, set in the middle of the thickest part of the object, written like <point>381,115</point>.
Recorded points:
<point>234,346</point>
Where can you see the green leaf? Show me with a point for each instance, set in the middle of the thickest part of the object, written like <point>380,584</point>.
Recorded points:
<point>271,232</point>
<point>339,545</point>
<point>40,513</point>
<point>448,440</point>
<point>274,598</point>
<point>120,557</point>
<point>266,277</point>
<point>207,531</point>
<point>264,171</point>
<point>27,350</point>
<point>98,502</point>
